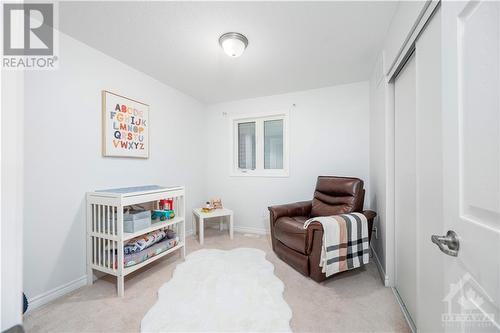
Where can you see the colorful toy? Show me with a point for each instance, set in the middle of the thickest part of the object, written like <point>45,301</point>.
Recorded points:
<point>211,205</point>
<point>216,203</point>
<point>166,211</point>
<point>162,214</point>
<point>208,207</point>
<point>167,204</point>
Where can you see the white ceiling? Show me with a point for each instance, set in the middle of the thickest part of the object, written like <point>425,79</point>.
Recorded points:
<point>292,45</point>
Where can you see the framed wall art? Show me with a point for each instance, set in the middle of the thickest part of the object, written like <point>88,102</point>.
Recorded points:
<point>125,126</point>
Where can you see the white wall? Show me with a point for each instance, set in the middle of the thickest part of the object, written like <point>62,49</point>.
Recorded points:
<point>63,155</point>
<point>11,199</point>
<point>328,136</point>
<point>378,162</point>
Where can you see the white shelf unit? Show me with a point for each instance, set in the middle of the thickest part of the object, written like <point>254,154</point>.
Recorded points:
<point>105,228</point>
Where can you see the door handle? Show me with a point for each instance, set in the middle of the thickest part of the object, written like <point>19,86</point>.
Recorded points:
<point>449,244</point>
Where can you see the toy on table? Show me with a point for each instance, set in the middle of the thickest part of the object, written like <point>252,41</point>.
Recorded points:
<point>211,205</point>
<point>166,211</point>
<point>208,207</point>
<point>216,203</point>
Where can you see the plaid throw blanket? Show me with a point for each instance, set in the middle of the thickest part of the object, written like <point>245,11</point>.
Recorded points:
<point>345,242</point>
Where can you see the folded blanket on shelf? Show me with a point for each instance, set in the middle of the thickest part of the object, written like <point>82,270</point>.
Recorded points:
<point>132,259</point>
<point>136,258</point>
<point>143,242</point>
<point>345,242</point>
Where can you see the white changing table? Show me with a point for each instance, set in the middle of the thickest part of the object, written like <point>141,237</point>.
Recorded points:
<point>199,216</point>
<point>105,227</point>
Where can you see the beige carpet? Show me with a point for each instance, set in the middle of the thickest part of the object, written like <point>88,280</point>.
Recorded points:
<point>355,301</point>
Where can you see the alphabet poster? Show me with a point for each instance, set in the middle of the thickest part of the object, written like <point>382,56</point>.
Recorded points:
<point>125,126</point>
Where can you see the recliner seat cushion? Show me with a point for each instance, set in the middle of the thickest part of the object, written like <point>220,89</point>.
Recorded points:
<point>290,231</point>
<point>337,195</point>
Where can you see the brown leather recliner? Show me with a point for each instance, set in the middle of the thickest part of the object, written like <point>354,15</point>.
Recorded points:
<point>301,248</point>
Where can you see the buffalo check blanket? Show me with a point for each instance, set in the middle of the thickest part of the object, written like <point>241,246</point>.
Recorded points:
<point>345,242</point>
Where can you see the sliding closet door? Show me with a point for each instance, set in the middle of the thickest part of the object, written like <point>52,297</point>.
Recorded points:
<point>405,186</point>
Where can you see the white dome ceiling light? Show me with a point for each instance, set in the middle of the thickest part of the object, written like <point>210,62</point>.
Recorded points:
<point>233,44</point>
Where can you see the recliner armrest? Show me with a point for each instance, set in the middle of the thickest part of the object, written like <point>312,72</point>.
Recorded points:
<point>370,214</point>
<point>302,208</point>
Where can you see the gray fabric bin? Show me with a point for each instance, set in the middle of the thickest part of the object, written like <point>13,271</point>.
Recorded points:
<point>135,221</point>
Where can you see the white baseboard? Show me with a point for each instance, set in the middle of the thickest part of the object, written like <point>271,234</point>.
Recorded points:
<point>237,228</point>
<point>405,311</point>
<point>48,296</point>
<point>383,276</point>
<point>251,230</point>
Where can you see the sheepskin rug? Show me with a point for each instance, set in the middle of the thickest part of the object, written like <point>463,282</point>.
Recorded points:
<point>221,291</point>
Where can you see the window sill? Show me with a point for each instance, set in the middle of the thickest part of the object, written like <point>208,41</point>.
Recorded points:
<point>282,174</point>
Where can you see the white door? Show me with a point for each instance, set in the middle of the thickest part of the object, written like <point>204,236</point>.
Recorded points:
<point>405,186</point>
<point>471,164</point>
<point>429,176</point>
<point>418,180</point>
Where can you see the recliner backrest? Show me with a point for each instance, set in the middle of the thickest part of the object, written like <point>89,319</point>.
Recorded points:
<point>337,195</point>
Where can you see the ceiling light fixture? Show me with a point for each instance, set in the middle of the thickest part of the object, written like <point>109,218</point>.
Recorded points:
<point>233,44</point>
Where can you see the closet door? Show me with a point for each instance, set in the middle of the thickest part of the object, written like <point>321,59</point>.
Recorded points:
<point>429,176</point>
<point>405,186</point>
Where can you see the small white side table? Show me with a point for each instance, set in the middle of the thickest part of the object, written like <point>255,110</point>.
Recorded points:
<point>199,216</point>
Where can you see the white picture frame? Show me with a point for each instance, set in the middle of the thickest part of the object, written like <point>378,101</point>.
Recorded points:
<point>125,126</point>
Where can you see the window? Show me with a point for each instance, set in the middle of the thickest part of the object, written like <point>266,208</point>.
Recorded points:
<point>260,145</point>
<point>246,145</point>
<point>273,144</point>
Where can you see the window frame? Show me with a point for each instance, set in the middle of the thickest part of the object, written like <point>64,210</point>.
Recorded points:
<point>259,119</point>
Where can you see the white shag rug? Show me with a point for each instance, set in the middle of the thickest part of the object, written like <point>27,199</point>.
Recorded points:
<point>221,291</point>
